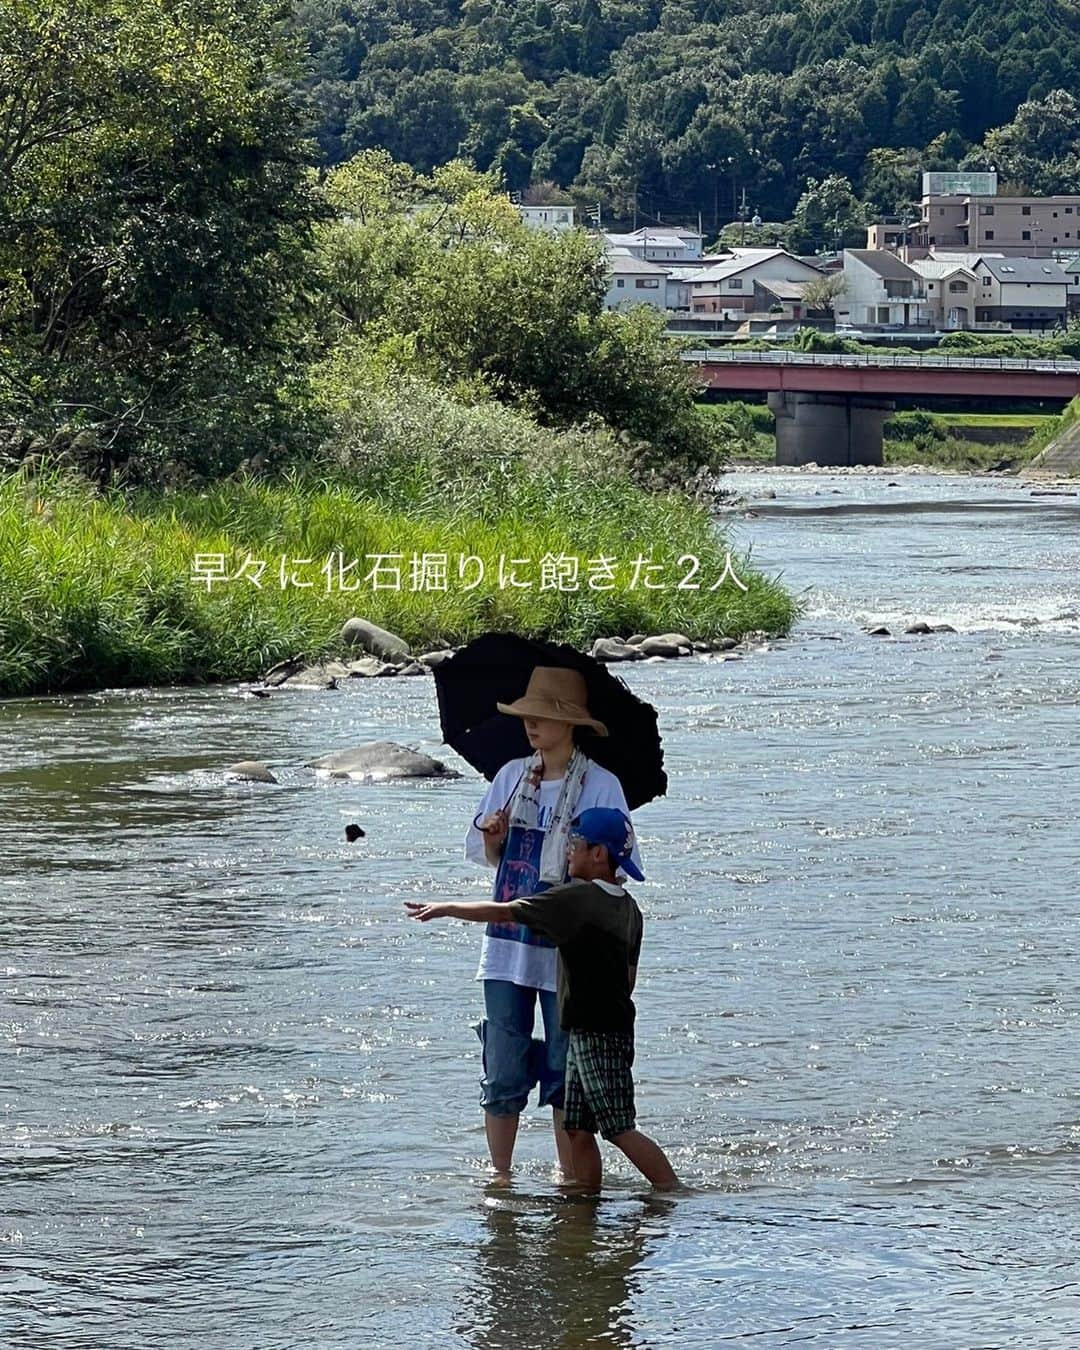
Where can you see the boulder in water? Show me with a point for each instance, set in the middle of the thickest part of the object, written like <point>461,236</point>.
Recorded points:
<point>369,637</point>
<point>379,760</point>
<point>614,649</point>
<point>250,771</point>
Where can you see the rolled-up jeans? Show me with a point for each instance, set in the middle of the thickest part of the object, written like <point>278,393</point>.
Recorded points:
<point>514,1060</point>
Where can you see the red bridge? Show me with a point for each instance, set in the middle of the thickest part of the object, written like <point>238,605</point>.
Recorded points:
<point>887,375</point>
<point>830,409</point>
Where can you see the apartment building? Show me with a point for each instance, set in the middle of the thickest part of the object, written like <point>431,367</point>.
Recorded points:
<point>964,211</point>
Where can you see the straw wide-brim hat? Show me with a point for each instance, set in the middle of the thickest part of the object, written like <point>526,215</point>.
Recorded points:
<point>558,693</point>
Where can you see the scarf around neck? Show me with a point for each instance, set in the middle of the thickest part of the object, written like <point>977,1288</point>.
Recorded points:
<point>524,811</point>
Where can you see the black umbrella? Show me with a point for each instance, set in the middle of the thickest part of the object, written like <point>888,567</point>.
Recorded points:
<point>495,668</point>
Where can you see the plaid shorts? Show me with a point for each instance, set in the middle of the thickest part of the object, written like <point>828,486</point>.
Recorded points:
<point>599,1083</point>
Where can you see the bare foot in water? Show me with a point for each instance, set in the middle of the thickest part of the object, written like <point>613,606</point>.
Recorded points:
<point>499,1180</point>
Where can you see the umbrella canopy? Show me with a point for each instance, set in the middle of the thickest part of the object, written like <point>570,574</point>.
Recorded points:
<point>495,668</point>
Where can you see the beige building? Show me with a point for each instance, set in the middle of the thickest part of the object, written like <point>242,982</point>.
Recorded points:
<point>951,291</point>
<point>964,211</point>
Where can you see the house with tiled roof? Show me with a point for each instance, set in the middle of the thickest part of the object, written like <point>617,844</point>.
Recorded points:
<point>635,281</point>
<point>730,287</point>
<point>1025,293</point>
<point>951,289</point>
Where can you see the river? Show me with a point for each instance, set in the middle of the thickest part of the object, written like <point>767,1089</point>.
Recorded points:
<point>239,1099</point>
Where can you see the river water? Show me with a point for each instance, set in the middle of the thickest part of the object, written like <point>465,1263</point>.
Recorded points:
<point>239,1098</point>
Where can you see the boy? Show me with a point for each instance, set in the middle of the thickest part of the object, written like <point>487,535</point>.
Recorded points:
<point>596,926</point>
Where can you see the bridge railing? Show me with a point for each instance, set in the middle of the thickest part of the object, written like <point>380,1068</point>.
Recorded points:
<point>887,360</point>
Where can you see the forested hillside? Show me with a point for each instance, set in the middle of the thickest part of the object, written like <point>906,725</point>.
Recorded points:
<point>681,104</point>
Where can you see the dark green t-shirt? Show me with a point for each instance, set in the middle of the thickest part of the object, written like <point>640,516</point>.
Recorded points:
<point>598,934</point>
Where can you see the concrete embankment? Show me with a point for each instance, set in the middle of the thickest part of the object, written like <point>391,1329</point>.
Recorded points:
<point>1062,455</point>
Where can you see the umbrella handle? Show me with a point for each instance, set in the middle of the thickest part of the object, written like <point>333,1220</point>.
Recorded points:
<point>506,807</point>
<point>476,818</point>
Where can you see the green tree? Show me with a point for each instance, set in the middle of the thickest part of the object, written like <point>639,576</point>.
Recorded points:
<point>827,216</point>
<point>154,208</point>
<point>892,183</point>
<point>822,293</point>
<point>1039,150</point>
<point>461,292</point>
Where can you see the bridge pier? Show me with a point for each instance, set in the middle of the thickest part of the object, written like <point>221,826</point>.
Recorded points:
<point>829,429</point>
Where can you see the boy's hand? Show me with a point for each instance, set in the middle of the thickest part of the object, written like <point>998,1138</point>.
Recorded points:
<point>419,910</point>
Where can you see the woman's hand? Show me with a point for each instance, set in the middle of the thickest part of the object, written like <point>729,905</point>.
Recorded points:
<point>495,827</point>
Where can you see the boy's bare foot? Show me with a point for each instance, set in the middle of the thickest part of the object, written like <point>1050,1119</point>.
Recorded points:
<point>498,1179</point>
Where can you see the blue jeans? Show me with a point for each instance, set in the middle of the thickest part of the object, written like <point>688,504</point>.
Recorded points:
<point>514,1062</point>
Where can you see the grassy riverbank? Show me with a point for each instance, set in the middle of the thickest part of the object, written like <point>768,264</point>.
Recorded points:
<point>100,590</point>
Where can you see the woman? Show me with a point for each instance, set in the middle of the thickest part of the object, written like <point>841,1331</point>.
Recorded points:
<point>522,829</point>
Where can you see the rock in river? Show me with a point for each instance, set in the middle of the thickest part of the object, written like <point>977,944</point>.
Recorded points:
<point>381,759</point>
<point>250,771</point>
<point>369,637</point>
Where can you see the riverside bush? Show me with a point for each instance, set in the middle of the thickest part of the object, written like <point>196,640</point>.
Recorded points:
<point>415,446</point>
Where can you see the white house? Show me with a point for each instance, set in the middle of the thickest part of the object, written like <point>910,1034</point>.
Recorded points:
<point>659,243</point>
<point>1022,292</point>
<point>880,291</point>
<point>635,281</point>
<point>554,218</point>
<point>727,288</point>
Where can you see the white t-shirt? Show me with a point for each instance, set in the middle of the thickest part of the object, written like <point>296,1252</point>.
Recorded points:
<point>519,962</point>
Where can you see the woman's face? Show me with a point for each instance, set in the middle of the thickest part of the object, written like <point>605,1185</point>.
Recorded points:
<point>546,734</point>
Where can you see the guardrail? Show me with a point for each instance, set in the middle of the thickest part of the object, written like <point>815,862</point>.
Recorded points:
<point>1049,365</point>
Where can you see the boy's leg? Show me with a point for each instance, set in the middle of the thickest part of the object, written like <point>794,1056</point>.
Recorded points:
<point>580,1125</point>
<point>588,1167</point>
<point>564,1149</point>
<point>506,1036</point>
<point>648,1157</point>
<point>606,1060</point>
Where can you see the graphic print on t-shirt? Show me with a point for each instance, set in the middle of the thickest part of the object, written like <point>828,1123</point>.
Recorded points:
<point>519,874</point>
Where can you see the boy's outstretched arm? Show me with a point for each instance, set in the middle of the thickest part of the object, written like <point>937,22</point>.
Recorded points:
<point>479,911</point>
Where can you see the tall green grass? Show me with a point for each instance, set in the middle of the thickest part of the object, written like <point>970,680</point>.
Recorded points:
<point>99,591</point>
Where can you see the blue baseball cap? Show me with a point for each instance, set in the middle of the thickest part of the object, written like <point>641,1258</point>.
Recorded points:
<point>608,826</point>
